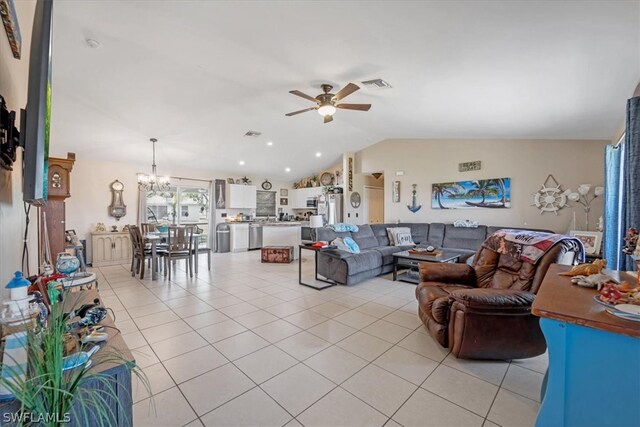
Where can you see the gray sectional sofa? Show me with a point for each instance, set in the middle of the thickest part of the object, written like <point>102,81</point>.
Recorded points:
<point>376,255</point>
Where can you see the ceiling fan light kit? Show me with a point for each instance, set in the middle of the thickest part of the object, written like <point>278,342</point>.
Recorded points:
<point>327,101</point>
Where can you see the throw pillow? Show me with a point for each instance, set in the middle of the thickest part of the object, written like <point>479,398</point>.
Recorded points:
<point>342,227</point>
<point>403,239</point>
<point>347,244</point>
<point>393,236</point>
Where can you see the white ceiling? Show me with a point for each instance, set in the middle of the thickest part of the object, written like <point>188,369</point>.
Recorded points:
<point>198,74</point>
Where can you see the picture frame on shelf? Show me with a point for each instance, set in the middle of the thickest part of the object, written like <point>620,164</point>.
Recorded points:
<point>284,201</point>
<point>284,192</point>
<point>590,239</point>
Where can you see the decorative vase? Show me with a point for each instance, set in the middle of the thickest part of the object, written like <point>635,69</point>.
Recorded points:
<point>67,264</point>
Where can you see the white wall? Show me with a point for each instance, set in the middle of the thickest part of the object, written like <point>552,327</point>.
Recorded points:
<point>91,196</point>
<point>526,162</point>
<point>13,87</point>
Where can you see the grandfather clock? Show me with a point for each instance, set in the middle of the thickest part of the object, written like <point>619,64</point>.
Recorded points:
<point>58,190</point>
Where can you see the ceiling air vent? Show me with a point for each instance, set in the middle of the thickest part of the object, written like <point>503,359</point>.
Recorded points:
<point>379,83</point>
<point>253,133</point>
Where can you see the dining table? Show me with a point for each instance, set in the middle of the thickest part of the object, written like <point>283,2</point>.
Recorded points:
<point>155,237</point>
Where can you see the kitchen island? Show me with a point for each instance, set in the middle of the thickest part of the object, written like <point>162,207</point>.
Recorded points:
<point>282,234</point>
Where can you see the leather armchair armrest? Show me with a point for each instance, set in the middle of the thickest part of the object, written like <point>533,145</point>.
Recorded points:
<point>461,274</point>
<point>497,301</point>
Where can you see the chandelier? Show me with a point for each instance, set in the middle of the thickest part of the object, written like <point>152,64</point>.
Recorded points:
<point>153,182</point>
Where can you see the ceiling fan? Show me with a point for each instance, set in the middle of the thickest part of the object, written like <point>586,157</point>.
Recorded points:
<point>327,101</point>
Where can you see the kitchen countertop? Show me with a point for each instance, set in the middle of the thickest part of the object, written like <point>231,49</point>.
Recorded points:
<point>282,224</point>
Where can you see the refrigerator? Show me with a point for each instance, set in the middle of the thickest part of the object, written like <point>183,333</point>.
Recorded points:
<point>332,209</point>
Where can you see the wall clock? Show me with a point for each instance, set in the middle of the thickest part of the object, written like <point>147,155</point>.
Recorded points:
<point>266,185</point>
<point>326,178</point>
<point>355,199</point>
<point>117,208</point>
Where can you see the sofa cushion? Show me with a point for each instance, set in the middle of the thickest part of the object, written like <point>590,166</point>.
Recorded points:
<point>364,261</point>
<point>388,251</point>
<point>436,235</point>
<point>419,232</point>
<point>464,238</point>
<point>328,235</point>
<point>380,231</point>
<point>364,237</point>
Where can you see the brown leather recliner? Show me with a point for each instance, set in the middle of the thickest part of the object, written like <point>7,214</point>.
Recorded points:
<point>483,311</point>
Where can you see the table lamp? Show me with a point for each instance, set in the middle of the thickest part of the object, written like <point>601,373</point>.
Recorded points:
<point>315,221</point>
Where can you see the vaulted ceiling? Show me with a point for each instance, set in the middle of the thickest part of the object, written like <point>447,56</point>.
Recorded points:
<point>199,74</point>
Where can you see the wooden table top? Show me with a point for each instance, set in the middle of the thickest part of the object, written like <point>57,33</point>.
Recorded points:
<point>559,299</point>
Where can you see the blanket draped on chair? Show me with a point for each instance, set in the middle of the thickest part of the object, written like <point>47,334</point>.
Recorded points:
<point>524,245</point>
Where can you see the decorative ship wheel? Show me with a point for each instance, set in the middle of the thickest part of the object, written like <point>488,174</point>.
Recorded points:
<point>550,198</point>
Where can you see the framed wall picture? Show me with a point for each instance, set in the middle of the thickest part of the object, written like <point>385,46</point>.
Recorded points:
<point>220,193</point>
<point>590,239</point>
<point>284,192</point>
<point>395,192</point>
<point>11,27</point>
<point>284,201</point>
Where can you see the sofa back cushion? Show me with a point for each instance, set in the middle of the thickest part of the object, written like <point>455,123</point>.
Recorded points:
<point>380,231</point>
<point>436,234</point>
<point>329,235</point>
<point>419,231</point>
<point>464,238</point>
<point>364,237</point>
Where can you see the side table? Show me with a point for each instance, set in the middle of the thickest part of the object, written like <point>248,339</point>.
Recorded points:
<point>328,283</point>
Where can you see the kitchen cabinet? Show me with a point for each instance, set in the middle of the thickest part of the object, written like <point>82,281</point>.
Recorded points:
<point>241,196</point>
<point>110,249</point>
<point>298,197</point>
<point>239,237</point>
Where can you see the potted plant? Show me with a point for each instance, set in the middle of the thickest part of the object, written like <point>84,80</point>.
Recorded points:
<point>314,181</point>
<point>49,396</point>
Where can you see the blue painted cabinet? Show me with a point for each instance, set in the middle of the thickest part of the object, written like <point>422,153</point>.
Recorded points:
<point>593,378</point>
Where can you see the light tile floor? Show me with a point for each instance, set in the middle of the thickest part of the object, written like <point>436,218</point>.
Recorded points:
<point>245,344</point>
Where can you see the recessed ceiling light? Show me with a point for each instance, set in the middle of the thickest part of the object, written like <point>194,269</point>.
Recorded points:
<point>269,143</point>
<point>92,43</point>
<point>318,154</point>
<point>287,169</point>
<point>241,162</point>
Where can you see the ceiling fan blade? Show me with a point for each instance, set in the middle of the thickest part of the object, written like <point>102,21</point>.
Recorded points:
<point>303,95</point>
<point>328,118</point>
<point>301,111</point>
<point>345,91</point>
<point>359,107</point>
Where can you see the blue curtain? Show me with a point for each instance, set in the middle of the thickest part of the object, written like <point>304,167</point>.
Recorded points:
<point>631,174</point>
<point>613,228</point>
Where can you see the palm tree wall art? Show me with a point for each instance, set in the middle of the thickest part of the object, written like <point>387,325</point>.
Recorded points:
<point>482,193</point>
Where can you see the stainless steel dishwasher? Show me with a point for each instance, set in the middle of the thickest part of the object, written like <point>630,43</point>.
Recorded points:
<point>255,236</point>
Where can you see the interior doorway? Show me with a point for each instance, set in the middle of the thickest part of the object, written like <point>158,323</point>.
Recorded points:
<point>373,205</point>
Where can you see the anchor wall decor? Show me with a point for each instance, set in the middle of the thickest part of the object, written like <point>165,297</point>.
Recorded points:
<point>414,206</point>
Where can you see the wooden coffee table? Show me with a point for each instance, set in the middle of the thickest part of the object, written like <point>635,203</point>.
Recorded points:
<point>406,259</point>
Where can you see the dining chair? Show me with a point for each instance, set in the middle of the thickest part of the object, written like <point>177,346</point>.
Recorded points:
<point>139,252</point>
<point>179,246</point>
<point>147,227</point>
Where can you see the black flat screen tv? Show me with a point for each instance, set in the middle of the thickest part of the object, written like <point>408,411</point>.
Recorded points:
<point>35,123</point>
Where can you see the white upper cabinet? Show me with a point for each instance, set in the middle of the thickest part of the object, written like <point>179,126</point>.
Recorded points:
<point>242,196</point>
